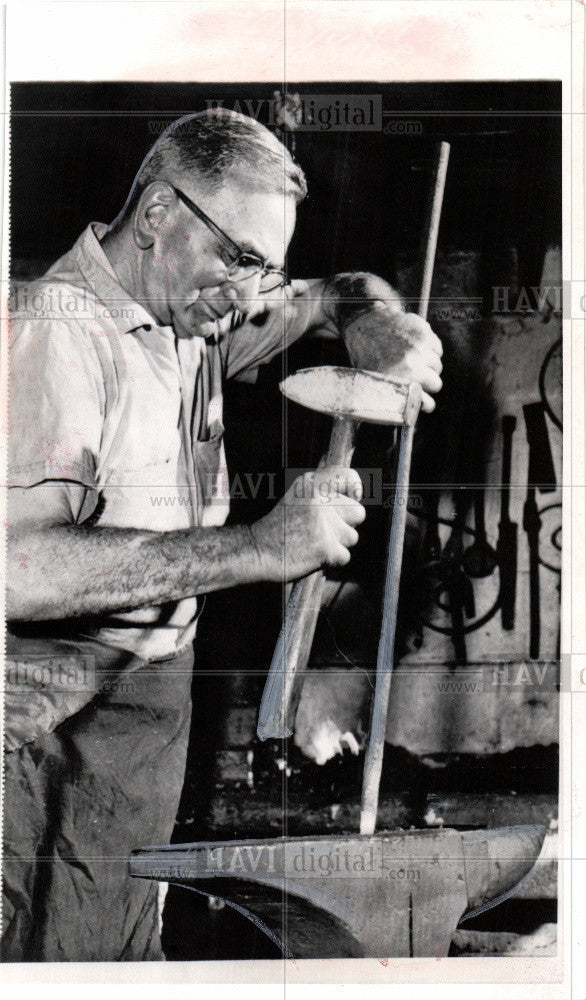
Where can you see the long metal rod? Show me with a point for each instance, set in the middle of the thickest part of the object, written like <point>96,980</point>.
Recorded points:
<point>385,659</point>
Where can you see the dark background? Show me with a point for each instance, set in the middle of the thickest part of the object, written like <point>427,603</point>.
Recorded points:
<point>77,146</point>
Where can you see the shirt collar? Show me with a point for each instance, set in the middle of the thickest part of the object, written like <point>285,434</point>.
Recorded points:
<point>122,310</point>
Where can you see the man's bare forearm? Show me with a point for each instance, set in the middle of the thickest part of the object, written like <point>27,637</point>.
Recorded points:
<point>67,571</point>
<point>348,295</point>
<point>339,300</point>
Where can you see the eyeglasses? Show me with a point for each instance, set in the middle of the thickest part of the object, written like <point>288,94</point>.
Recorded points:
<point>245,264</point>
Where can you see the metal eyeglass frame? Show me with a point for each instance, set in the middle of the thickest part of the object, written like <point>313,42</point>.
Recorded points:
<point>262,268</point>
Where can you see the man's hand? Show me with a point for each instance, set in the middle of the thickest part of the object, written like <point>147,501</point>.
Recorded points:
<point>380,336</point>
<point>401,345</point>
<point>312,525</point>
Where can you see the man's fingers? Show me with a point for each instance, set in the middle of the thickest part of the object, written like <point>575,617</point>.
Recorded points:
<point>427,403</point>
<point>422,333</point>
<point>347,535</point>
<point>434,361</point>
<point>340,556</point>
<point>417,369</point>
<point>337,481</point>
<point>349,509</point>
<point>430,345</point>
<point>431,381</point>
<point>431,339</point>
<point>435,343</point>
<point>351,484</point>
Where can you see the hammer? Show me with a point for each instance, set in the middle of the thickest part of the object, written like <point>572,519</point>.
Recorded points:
<point>350,396</point>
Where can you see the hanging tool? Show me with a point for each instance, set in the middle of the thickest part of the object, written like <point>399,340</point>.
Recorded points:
<point>455,582</point>
<point>431,546</point>
<point>541,472</point>
<point>479,559</point>
<point>507,538</point>
<point>384,664</point>
<point>541,475</point>
<point>445,574</point>
<point>532,527</point>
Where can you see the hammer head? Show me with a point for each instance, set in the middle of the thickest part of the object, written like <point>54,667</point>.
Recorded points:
<point>354,394</point>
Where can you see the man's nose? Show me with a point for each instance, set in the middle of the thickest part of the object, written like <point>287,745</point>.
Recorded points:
<point>245,293</point>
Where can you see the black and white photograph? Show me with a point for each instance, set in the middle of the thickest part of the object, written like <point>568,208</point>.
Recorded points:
<point>285,476</point>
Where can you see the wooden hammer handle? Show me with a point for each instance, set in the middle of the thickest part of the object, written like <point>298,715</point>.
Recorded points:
<point>285,678</point>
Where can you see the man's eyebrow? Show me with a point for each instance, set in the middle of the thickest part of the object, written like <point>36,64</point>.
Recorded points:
<point>249,247</point>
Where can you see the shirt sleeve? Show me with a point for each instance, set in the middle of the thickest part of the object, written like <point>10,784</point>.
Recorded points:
<point>258,341</point>
<point>56,404</point>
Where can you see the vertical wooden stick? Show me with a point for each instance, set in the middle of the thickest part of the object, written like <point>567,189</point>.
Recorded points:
<point>432,227</point>
<point>384,665</point>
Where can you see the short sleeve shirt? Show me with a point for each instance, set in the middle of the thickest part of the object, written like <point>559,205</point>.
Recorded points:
<point>102,396</point>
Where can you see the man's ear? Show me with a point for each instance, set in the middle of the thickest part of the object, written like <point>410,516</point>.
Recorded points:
<point>151,211</point>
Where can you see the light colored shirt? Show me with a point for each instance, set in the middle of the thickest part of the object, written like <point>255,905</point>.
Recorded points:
<point>102,396</point>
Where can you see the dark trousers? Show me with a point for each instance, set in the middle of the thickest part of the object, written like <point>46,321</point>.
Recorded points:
<point>77,801</point>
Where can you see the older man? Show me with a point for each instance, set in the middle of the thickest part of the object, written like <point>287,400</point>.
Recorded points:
<point>118,501</point>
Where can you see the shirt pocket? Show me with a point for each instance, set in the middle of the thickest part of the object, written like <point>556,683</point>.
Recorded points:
<point>148,497</point>
<point>212,477</point>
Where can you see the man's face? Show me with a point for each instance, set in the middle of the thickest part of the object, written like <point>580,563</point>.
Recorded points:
<point>184,274</point>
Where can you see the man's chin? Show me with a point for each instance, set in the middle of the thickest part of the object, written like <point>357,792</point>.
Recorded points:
<point>190,327</point>
<point>202,322</point>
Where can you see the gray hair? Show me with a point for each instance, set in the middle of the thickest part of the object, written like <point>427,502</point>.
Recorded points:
<point>216,143</point>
